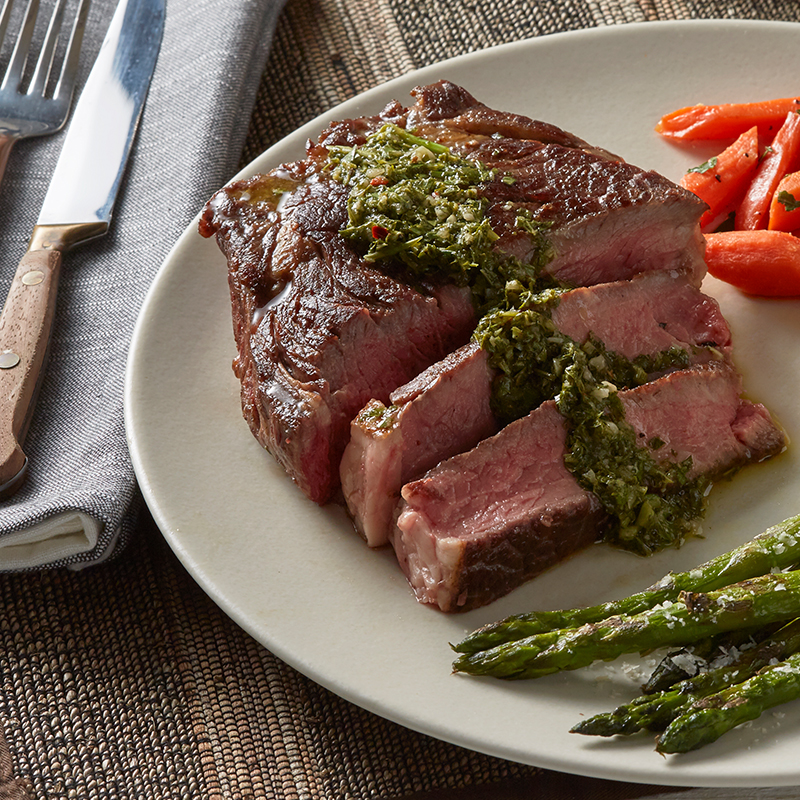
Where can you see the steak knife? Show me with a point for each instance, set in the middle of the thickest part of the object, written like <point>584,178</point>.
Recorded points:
<point>76,209</point>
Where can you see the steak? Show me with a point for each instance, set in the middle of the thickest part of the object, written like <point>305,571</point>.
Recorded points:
<point>332,348</point>
<point>320,332</point>
<point>446,410</point>
<point>480,524</point>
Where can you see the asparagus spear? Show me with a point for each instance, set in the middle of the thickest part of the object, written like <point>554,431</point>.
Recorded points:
<point>656,711</point>
<point>695,615</point>
<point>674,668</point>
<point>718,713</point>
<point>776,548</point>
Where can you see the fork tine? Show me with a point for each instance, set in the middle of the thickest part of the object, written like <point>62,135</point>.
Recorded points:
<point>69,69</point>
<point>19,56</point>
<point>44,65</point>
<point>5,15</point>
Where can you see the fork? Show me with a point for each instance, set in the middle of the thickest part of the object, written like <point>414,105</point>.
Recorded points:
<point>35,111</point>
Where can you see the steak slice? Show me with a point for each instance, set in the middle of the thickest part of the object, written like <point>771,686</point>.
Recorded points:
<point>446,410</point>
<point>651,313</point>
<point>442,412</point>
<point>609,219</point>
<point>319,332</point>
<point>483,522</point>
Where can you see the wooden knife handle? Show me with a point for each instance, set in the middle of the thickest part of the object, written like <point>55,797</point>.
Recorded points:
<point>25,325</point>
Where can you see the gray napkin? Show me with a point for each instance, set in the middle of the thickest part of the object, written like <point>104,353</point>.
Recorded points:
<point>80,500</point>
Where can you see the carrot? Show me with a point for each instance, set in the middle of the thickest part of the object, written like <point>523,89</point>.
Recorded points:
<point>726,121</point>
<point>784,210</point>
<point>759,262</point>
<point>721,182</point>
<point>782,157</point>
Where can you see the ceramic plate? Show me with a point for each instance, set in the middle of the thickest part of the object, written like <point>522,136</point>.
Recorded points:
<point>296,576</point>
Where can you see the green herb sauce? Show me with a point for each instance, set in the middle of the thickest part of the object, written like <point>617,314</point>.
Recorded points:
<point>650,505</point>
<point>415,202</point>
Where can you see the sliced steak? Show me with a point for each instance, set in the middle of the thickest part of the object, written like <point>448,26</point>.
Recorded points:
<point>646,315</point>
<point>442,412</point>
<point>483,522</point>
<point>700,414</point>
<point>446,410</point>
<point>320,332</point>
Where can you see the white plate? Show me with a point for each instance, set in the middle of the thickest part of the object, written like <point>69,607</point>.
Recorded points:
<point>299,580</point>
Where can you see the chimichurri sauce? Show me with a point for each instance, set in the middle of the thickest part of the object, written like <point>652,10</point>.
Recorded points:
<point>415,202</point>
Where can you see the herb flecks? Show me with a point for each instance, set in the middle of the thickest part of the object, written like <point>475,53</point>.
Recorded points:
<point>706,166</point>
<point>377,416</point>
<point>416,202</point>
<point>788,201</point>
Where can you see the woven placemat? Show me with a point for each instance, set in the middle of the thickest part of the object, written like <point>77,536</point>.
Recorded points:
<point>126,681</point>
<point>327,51</point>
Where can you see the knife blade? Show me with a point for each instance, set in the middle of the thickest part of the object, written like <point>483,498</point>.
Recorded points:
<point>77,208</point>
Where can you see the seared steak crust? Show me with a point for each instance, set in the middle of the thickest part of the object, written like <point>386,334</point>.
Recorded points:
<point>318,331</point>
<point>449,114</point>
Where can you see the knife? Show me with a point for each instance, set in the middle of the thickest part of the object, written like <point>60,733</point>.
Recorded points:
<point>76,209</point>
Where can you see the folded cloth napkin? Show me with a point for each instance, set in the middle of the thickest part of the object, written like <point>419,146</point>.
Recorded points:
<point>79,501</point>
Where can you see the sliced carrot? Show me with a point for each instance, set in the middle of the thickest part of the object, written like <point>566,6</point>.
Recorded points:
<point>721,182</point>
<point>784,210</point>
<point>727,121</point>
<point>760,262</point>
<point>780,158</point>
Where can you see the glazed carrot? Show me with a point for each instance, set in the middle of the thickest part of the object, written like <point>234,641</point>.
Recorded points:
<point>721,182</point>
<point>780,158</point>
<point>726,121</point>
<point>759,262</point>
<point>784,210</point>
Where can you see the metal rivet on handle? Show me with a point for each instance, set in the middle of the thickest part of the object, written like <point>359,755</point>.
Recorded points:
<point>33,277</point>
<point>8,359</point>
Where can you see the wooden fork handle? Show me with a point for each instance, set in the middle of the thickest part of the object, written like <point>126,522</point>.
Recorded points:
<point>25,325</point>
<point>6,143</point>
